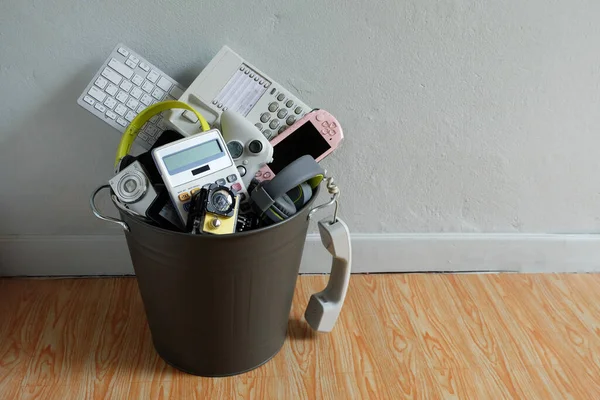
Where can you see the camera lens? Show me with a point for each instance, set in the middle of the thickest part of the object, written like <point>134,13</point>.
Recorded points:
<point>221,200</point>
<point>235,148</point>
<point>130,185</point>
<point>255,146</point>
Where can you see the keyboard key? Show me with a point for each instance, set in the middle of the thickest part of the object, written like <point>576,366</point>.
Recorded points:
<point>137,79</point>
<point>101,82</point>
<point>121,122</point>
<point>111,76</point>
<point>146,99</point>
<point>111,115</point>
<point>100,107</point>
<point>130,116</point>
<point>140,108</point>
<point>134,59</point>
<point>144,66</point>
<point>120,68</point>
<point>111,89</point>
<point>158,94</point>
<point>123,52</point>
<point>122,97</point>
<point>132,103</point>
<point>136,92</point>
<point>121,109</point>
<point>164,84</point>
<point>176,91</point>
<point>147,86</point>
<point>126,86</point>
<point>153,76</point>
<point>110,103</point>
<point>97,93</point>
<point>130,64</point>
<point>88,100</point>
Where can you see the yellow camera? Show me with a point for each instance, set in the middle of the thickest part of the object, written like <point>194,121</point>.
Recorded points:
<point>214,210</point>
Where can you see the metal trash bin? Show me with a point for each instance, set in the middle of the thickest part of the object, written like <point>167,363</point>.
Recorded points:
<point>216,305</point>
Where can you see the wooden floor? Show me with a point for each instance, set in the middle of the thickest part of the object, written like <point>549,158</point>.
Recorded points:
<point>399,336</point>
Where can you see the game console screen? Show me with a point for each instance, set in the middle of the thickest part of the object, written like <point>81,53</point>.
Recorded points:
<point>193,157</point>
<point>304,140</point>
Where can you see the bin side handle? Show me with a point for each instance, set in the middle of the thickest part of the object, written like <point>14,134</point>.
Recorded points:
<point>104,217</point>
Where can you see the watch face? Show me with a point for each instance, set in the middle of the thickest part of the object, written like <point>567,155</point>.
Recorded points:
<point>236,149</point>
<point>222,201</point>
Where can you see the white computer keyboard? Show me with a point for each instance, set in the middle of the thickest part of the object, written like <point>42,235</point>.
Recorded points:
<point>125,85</point>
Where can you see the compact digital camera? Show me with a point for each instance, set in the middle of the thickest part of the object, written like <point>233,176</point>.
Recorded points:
<point>213,209</point>
<point>133,188</point>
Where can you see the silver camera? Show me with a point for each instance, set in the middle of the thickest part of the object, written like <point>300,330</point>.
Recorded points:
<point>133,189</point>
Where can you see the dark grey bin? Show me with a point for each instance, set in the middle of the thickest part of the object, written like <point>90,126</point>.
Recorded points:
<point>218,305</point>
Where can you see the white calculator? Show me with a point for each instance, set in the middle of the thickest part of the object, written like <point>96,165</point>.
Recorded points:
<point>125,85</point>
<point>230,82</point>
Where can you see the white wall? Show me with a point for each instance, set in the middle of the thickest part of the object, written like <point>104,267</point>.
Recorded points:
<point>459,115</point>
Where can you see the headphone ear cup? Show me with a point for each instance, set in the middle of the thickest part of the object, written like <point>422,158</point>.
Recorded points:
<point>282,209</point>
<point>300,195</point>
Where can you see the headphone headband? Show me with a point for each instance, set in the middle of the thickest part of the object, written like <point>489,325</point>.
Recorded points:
<point>144,116</point>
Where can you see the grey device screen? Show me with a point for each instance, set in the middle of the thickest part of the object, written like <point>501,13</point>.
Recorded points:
<point>304,140</point>
<point>193,157</point>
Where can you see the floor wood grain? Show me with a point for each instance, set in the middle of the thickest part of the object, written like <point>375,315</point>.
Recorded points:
<point>425,336</point>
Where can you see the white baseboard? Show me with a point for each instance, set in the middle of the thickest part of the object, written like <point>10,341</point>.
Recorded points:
<point>108,255</point>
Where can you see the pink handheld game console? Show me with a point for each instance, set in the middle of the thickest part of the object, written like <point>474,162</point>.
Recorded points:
<point>317,134</point>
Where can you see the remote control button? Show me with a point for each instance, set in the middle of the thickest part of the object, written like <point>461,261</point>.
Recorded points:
<point>273,91</point>
<point>111,115</point>
<point>101,82</point>
<point>242,170</point>
<point>255,146</point>
<point>184,196</point>
<point>111,89</point>
<point>221,182</point>
<point>121,121</point>
<point>273,107</point>
<point>164,84</point>
<point>120,68</point>
<point>190,116</point>
<point>231,178</point>
<point>100,107</point>
<point>259,126</point>
<point>267,175</point>
<point>290,120</point>
<point>298,110</point>
<point>136,93</point>
<point>283,128</point>
<point>274,124</point>
<point>97,93</point>
<point>268,134</point>
<point>320,117</point>
<point>144,66</point>
<point>282,113</point>
<point>153,76</point>
<point>123,52</point>
<point>280,96</point>
<point>237,187</point>
<point>265,117</point>
<point>88,100</point>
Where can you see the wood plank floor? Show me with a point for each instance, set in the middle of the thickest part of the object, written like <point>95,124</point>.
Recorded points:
<point>423,336</point>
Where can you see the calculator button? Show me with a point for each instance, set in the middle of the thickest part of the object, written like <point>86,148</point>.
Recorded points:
<point>120,68</point>
<point>274,124</point>
<point>126,86</point>
<point>273,107</point>
<point>111,114</point>
<point>88,100</point>
<point>231,178</point>
<point>282,113</point>
<point>144,66</point>
<point>111,89</point>
<point>153,76</point>
<point>184,196</point>
<point>298,110</point>
<point>100,107</point>
<point>193,191</point>
<point>164,84</point>
<point>259,126</point>
<point>136,93</point>
<point>123,52</point>
<point>121,121</point>
<point>265,117</point>
<point>280,96</point>
<point>111,76</point>
<point>101,82</point>
<point>289,104</point>
<point>290,120</point>
<point>221,182</point>
<point>237,187</point>
<point>97,93</point>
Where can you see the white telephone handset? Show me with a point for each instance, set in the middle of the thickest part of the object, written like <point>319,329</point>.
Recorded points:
<point>324,307</point>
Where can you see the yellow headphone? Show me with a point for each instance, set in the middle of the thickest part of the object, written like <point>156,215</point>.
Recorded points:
<point>138,122</point>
